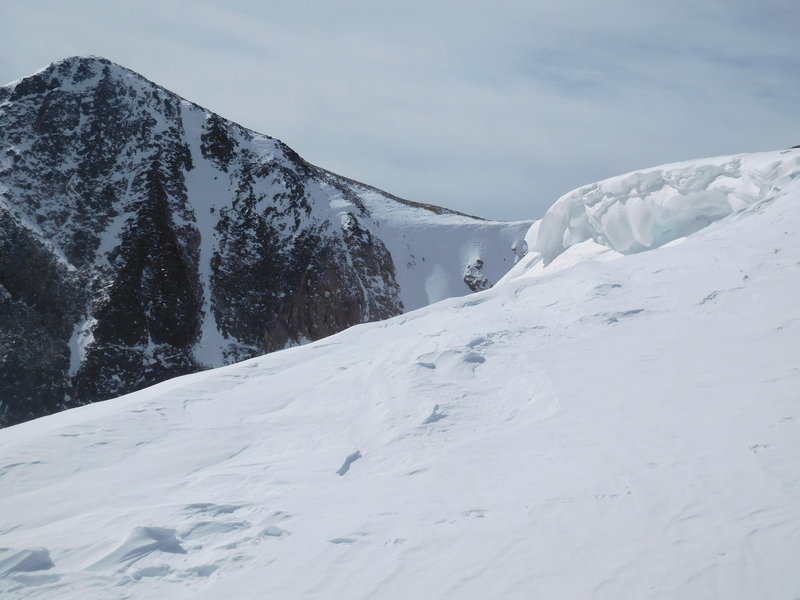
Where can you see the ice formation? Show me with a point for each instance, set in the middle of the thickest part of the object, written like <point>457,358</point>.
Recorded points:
<point>649,208</point>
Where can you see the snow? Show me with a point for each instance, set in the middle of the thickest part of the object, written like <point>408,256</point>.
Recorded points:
<point>80,340</point>
<point>621,425</point>
<point>430,251</point>
<point>649,208</point>
<point>208,189</point>
<point>24,561</point>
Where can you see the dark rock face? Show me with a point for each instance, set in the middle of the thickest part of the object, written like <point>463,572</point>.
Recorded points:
<point>250,289</point>
<point>39,301</point>
<point>474,278</point>
<point>154,299</point>
<point>142,237</point>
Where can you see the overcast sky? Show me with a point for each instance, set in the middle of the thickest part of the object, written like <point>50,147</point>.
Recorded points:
<point>491,108</point>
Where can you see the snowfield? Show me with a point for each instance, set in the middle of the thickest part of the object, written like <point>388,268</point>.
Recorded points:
<point>620,423</point>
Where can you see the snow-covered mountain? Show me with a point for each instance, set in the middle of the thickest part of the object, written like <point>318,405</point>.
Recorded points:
<point>143,237</point>
<point>597,425</point>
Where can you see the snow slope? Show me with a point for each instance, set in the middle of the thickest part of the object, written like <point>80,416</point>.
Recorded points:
<point>610,426</point>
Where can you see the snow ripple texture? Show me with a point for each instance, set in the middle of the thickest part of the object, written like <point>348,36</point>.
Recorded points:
<point>646,209</point>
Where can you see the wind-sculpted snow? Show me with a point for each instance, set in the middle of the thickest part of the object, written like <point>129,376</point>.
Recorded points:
<point>647,209</point>
<point>604,430</point>
<point>142,542</point>
<point>25,561</point>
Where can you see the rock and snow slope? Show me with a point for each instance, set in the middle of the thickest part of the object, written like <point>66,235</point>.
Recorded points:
<point>143,237</point>
<point>609,426</point>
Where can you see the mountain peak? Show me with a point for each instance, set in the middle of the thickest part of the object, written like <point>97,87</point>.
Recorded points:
<point>71,73</point>
<point>86,60</point>
<point>171,240</point>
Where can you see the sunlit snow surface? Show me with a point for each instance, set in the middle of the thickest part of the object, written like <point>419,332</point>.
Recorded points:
<point>646,209</point>
<point>618,426</point>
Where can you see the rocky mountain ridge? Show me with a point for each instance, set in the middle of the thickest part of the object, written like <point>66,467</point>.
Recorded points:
<point>144,237</point>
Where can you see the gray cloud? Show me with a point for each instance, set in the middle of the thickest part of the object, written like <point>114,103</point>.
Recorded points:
<point>491,109</point>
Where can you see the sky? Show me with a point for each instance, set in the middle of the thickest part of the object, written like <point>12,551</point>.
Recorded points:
<point>494,109</point>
